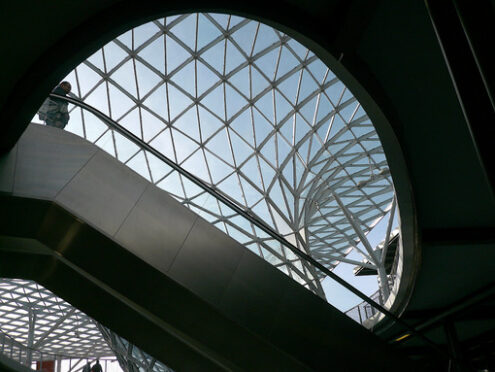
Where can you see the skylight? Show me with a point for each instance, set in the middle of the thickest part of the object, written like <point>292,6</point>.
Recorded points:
<point>256,115</point>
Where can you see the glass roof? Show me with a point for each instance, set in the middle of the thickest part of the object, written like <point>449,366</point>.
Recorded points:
<point>59,329</point>
<point>253,113</point>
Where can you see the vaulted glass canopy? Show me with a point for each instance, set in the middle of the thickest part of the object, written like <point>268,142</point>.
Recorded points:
<point>257,116</point>
<point>36,326</point>
<point>34,316</point>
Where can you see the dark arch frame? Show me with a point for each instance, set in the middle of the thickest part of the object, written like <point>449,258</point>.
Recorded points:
<point>310,30</point>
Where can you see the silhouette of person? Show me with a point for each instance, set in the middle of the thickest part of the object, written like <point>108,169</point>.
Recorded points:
<point>87,367</point>
<point>54,111</point>
<point>97,367</point>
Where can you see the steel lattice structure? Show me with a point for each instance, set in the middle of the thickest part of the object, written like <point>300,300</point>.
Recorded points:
<point>257,116</point>
<point>36,318</point>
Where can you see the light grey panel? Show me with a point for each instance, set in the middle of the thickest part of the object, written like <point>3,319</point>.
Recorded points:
<point>206,262</point>
<point>47,159</point>
<point>156,228</point>
<point>103,192</point>
<point>7,170</point>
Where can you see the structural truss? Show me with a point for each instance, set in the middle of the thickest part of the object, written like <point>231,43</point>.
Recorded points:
<point>257,116</point>
<point>37,325</point>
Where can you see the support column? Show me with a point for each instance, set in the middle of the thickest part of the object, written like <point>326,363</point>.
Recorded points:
<point>373,255</point>
<point>453,345</point>
<point>59,363</point>
<point>383,284</point>
<point>32,325</point>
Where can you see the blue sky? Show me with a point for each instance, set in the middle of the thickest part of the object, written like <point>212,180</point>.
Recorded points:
<point>256,136</point>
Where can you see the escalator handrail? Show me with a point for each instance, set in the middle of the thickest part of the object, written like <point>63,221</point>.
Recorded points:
<point>246,214</point>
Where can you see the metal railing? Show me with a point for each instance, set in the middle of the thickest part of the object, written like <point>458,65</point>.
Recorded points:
<point>363,311</point>
<point>33,358</point>
<point>16,351</point>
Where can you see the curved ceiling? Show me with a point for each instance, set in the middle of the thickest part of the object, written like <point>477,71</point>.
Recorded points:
<point>253,113</point>
<point>34,317</point>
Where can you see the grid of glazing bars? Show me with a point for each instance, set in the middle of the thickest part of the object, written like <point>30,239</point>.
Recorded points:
<point>35,322</point>
<point>254,114</point>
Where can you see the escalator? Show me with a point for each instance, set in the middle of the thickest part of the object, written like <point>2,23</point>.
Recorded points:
<point>112,244</point>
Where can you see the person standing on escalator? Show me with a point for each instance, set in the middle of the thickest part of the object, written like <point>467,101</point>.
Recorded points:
<point>97,367</point>
<point>54,111</point>
<point>87,367</point>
